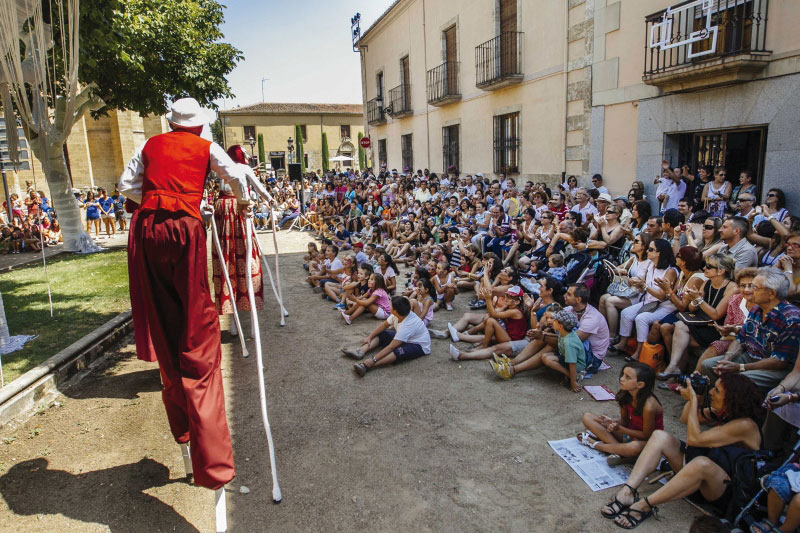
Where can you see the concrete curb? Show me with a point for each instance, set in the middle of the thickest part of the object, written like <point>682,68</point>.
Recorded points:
<point>39,386</point>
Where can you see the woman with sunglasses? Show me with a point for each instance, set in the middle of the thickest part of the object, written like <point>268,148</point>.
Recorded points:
<point>635,267</point>
<point>612,233</point>
<point>711,242</point>
<point>790,265</point>
<point>716,193</point>
<point>654,297</point>
<point>774,206</point>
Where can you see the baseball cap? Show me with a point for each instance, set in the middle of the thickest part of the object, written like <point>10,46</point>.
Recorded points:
<point>514,291</point>
<point>479,175</point>
<point>358,245</point>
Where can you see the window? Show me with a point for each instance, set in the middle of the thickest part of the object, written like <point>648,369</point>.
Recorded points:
<point>379,85</point>
<point>506,144</point>
<point>382,158</point>
<point>305,159</point>
<point>303,133</point>
<point>406,146</point>
<point>344,131</point>
<point>249,133</point>
<point>450,151</point>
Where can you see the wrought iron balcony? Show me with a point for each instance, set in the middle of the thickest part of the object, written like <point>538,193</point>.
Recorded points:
<point>400,100</point>
<point>443,87</point>
<point>697,44</point>
<point>375,113</point>
<point>498,61</point>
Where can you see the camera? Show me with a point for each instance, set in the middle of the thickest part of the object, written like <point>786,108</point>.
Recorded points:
<point>699,382</point>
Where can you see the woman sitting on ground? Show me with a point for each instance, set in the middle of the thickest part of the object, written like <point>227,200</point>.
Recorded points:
<point>636,266</point>
<point>505,323</point>
<point>710,302</point>
<point>376,302</point>
<point>704,464</point>
<point>640,413</point>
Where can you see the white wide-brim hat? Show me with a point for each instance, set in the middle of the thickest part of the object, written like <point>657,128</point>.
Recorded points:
<point>187,113</point>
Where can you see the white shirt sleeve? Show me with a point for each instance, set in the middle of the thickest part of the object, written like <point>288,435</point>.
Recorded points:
<point>257,186</point>
<point>229,172</point>
<point>130,182</point>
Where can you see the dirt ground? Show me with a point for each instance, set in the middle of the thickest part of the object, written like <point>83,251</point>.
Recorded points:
<point>432,445</point>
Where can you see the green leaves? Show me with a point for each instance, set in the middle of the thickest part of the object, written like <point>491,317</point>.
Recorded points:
<point>143,53</point>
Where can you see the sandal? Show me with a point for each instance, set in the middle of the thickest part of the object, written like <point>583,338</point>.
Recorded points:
<point>664,376</point>
<point>765,526</point>
<point>620,507</point>
<point>634,522</point>
<point>585,438</point>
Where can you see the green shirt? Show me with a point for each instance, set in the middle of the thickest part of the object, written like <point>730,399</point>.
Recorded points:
<point>572,349</point>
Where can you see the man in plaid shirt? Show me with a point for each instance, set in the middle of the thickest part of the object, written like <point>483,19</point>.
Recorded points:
<point>766,347</point>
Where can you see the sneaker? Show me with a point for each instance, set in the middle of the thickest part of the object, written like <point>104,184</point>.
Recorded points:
<point>502,370</point>
<point>347,318</point>
<point>448,306</point>
<point>339,306</point>
<point>454,353</point>
<point>500,359</point>
<point>354,354</point>
<point>453,332</point>
<point>437,333</point>
<point>361,369</point>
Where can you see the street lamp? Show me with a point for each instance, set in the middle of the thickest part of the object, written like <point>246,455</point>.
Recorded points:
<point>252,143</point>
<point>290,148</point>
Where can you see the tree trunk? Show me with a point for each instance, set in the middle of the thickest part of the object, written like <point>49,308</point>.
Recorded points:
<point>66,206</point>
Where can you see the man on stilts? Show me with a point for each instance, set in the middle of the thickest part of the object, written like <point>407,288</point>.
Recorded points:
<point>174,318</point>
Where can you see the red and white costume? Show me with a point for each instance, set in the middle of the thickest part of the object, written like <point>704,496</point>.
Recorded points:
<point>174,319</point>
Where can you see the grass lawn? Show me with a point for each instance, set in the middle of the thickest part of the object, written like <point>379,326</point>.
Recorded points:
<point>88,290</point>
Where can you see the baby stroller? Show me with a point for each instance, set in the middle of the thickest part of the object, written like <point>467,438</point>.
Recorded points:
<point>577,267</point>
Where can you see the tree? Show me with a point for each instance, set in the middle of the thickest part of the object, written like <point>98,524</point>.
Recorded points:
<point>216,132</point>
<point>325,153</point>
<point>101,55</point>
<point>262,156</point>
<point>362,156</point>
<point>298,134</point>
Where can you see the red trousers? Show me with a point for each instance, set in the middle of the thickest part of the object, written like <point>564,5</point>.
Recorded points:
<point>175,322</point>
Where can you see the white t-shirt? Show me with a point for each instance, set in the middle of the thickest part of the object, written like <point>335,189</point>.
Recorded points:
<point>676,192</point>
<point>411,330</point>
<point>336,264</point>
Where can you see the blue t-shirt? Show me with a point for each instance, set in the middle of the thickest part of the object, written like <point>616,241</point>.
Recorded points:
<point>92,210</point>
<point>343,235</point>
<point>119,203</point>
<point>107,204</point>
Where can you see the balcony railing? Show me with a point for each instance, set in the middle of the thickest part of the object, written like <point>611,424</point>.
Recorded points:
<point>400,100</point>
<point>375,111</point>
<point>696,36</point>
<point>498,61</point>
<point>443,84</point>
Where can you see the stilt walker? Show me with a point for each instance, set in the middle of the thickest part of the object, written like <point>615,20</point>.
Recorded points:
<point>174,318</point>
<point>230,227</point>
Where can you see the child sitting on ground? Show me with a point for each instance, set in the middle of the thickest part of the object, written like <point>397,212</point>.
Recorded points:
<point>342,238</point>
<point>640,414</point>
<point>312,255</point>
<point>377,301</point>
<point>571,358</point>
<point>423,303</point>
<point>444,283</point>
<point>402,337</point>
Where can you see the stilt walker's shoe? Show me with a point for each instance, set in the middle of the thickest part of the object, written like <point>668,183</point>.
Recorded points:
<point>221,510</point>
<point>187,460</point>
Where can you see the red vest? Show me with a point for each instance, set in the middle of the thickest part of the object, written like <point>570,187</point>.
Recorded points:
<point>175,168</point>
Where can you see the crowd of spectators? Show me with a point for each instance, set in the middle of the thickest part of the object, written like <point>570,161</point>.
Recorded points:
<point>695,288</point>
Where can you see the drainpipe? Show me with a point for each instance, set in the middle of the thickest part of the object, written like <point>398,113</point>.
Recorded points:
<point>566,98</point>
<point>363,60</point>
<point>425,64</point>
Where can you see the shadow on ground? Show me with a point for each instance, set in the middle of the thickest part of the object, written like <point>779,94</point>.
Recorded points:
<point>31,488</point>
<point>111,385</point>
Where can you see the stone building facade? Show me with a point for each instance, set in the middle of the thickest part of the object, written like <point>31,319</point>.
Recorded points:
<point>543,90</point>
<point>276,122</point>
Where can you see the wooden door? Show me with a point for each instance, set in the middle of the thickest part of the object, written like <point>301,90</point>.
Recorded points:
<point>406,92</point>
<point>451,61</point>
<point>508,36</point>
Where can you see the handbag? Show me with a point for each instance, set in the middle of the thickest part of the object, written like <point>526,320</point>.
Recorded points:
<point>698,318</point>
<point>619,284</point>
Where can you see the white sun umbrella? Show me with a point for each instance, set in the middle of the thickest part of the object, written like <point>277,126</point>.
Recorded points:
<point>341,158</point>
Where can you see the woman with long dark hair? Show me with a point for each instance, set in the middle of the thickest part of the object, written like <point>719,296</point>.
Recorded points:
<point>704,464</point>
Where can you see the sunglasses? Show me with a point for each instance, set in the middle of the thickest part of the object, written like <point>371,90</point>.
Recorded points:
<point>709,267</point>
<point>708,227</point>
<point>746,199</point>
<point>611,212</point>
<point>652,250</point>
<point>771,195</point>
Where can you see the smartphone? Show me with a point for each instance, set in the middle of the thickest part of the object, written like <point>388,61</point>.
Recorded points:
<point>774,399</point>
<point>683,227</point>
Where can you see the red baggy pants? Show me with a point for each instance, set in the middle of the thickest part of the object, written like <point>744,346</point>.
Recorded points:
<point>175,320</point>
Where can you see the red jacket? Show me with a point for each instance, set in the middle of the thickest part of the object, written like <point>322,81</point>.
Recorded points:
<point>175,169</point>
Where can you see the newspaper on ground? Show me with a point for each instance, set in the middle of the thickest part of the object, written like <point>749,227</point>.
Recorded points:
<point>590,464</point>
<point>601,393</point>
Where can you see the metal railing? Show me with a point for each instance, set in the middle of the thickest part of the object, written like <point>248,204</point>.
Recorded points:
<point>443,82</point>
<point>375,111</point>
<point>498,59</point>
<point>400,99</point>
<point>691,34</point>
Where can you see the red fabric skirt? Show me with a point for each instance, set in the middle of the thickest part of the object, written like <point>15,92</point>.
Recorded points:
<point>233,241</point>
